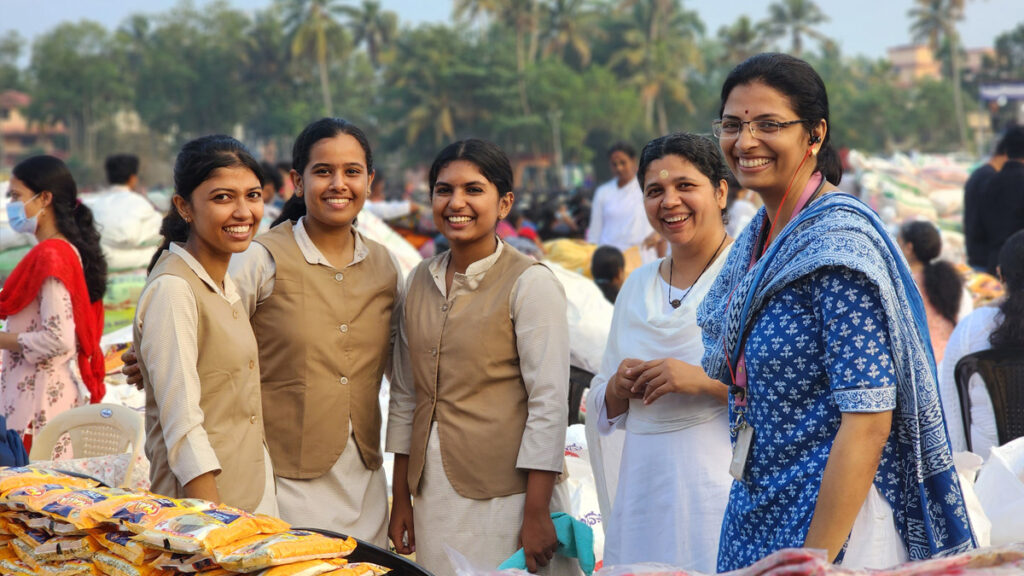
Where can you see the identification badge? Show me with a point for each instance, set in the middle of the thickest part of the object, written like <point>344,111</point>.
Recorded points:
<point>741,450</point>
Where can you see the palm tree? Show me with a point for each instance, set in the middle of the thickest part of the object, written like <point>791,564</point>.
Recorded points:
<point>933,21</point>
<point>314,29</point>
<point>372,26</point>
<point>796,19</point>
<point>569,25</point>
<point>742,40</point>
<point>659,48</point>
<point>524,18</point>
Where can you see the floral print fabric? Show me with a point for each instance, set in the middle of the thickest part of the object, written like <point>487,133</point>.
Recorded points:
<point>43,379</point>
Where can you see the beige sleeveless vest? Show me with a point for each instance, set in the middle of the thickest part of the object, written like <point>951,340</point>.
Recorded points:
<point>230,401</point>
<point>324,341</point>
<point>466,370</point>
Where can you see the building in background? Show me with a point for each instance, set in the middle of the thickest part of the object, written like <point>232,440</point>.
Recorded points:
<point>21,137</point>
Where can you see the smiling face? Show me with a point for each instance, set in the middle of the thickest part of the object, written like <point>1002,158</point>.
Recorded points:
<point>467,206</point>
<point>224,212</point>
<point>335,182</point>
<point>682,204</point>
<point>766,165</point>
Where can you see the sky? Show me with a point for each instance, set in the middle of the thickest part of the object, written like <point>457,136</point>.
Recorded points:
<point>861,27</point>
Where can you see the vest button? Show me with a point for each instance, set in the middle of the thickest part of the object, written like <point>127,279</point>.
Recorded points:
<point>252,364</point>
<point>339,276</point>
<point>433,351</point>
<point>343,328</point>
<point>444,308</point>
<point>234,314</point>
<point>344,380</point>
<point>252,419</point>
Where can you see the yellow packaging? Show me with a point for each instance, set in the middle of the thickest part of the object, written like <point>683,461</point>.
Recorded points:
<point>264,551</point>
<point>16,477</point>
<point>138,515</point>
<point>70,507</point>
<point>75,567</point>
<point>33,497</point>
<point>30,536</point>
<point>120,543</point>
<point>66,548</point>
<point>24,552</point>
<point>16,568</point>
<point>112,565</point>
<point>209,529</point>
<point>184,562</point>
<point>106,511</point>
<point>307,568</point>
<point>360,569</point>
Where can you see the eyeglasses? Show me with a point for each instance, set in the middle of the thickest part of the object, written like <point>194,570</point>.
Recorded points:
<point>729,128</point>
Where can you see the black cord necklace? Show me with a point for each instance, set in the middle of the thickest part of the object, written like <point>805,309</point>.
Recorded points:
<point>679,301</point>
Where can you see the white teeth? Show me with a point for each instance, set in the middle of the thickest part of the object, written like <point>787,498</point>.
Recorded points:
<point>238,229</point>
<point>338,201</point>
<point>459,219</point>
<point>674,219</point>
<point>753,162</point>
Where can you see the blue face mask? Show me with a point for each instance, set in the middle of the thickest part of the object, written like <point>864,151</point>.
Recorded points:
<point>19,221</point>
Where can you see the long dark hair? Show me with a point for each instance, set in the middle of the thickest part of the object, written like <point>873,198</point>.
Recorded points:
<point>488,157</point>
<point>1010,333</point>
<point>295,207</point>
<point>196,161</point>
<point>74,220</point>
<point>605,266</point>
<point>805,89</point>
<point>943,285</point>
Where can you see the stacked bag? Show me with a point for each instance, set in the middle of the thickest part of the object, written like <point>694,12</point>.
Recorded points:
<point>59,525</point>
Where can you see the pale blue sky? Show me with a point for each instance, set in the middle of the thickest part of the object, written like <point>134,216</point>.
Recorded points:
<point>864,27</point>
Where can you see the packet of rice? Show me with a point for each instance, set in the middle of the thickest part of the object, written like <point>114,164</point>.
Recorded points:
<point>18,476</point>
<point>70,507</point>
<point>263,551</point>
<point>75,567</point>
<point>25,553</point>
<point>61,548</point>
<point>16,568</point>
<point>33,497</point>
<point>307,568</point>
<point>140,514</point>
<point>207,530</point>
<point>112,565</point>
<point>184,562</point>
<point>120,543</point>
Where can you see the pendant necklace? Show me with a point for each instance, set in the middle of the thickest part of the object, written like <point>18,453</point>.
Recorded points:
<point>676,303</point>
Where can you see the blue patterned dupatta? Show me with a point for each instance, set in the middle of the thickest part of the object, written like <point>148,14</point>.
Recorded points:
<point>838,230</point>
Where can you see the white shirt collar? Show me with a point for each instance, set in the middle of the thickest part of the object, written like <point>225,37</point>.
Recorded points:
<point>313,255</point>
<point>474,275</point>
<point>229,293</point>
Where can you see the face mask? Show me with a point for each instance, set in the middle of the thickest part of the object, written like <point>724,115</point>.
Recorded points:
<point>19,221</point>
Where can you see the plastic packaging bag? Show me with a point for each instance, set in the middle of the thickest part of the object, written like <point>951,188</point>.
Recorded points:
<point>120,543</point>
<point>206,530</point>
<point>264,551</point>
<point>1000,489</point>
<point>20,476</point>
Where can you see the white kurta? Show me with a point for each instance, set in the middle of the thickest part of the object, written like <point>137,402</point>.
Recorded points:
<point>617,218</point>
<point>673,482</point>
<point>970,335</point>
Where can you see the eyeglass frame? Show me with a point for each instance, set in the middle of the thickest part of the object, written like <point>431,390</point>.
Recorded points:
<point>716,128</point>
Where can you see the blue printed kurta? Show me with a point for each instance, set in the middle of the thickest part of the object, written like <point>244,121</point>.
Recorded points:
<point>819,348</point>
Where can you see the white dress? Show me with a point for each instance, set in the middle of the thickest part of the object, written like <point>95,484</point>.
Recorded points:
<point>617,218</point>
<point>970,335</point>
<point>673,482</point>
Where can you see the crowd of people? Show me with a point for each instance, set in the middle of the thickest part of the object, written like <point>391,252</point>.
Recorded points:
<point>781,372</point>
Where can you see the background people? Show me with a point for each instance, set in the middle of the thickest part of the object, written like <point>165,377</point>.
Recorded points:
<point>52,301</point>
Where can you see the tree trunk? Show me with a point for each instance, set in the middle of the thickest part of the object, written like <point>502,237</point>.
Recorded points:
<point>662,116</point>
<point>958,103</point>
<point>321,60</point>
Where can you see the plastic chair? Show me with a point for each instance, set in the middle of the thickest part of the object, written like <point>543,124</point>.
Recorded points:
<point>1003,373</point>
<point>95,430</point>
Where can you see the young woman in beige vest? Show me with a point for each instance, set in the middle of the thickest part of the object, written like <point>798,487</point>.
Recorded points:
<point>197,351</point>
<point>479,431</point>
<point>321,299</point>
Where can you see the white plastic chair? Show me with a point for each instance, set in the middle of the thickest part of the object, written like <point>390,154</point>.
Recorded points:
<point>95,430</point>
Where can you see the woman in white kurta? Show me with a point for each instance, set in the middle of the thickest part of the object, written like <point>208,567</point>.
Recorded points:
<point>673,482</point>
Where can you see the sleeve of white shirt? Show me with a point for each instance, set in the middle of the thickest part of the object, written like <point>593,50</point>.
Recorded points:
<point>55,335</point>
<point>596,217</point>
<point>403,389</point>
<point>542,339</point>
<point>167,310</point>
<point>395,366</point>
<point>253,273</point>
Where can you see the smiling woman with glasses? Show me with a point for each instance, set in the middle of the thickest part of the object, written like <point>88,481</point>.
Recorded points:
<point>815,325</point>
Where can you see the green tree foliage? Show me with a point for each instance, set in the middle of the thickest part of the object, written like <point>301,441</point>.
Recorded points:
<point>11,47</point>
<point>795,19</point>
<point>316,31</point>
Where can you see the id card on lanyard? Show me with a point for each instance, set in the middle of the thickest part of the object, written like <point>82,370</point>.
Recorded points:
<point>740,428</point>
